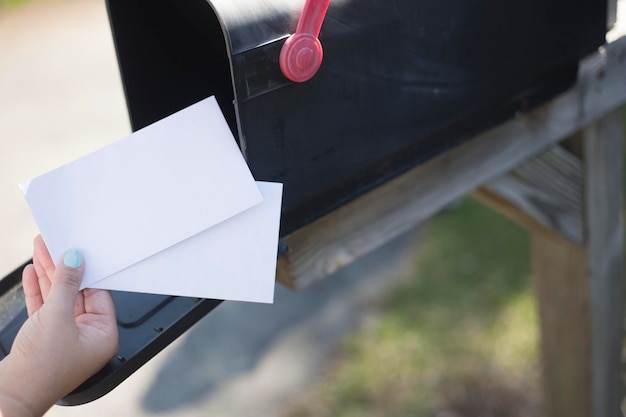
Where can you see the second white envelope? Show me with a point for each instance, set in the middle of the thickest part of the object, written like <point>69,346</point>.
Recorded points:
<point>233,260</point>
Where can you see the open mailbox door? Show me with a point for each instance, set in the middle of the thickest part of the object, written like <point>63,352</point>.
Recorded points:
<point>399,83</point>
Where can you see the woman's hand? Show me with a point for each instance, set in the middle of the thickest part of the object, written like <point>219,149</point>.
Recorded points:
<point>69,335</point>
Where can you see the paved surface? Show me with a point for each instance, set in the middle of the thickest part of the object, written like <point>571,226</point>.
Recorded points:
<point>61,97</point>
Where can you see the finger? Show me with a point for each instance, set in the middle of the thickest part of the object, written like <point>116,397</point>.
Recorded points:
<point>66,283</point>
<point>100,303</point>
<point>100,315</point>
<point>44,266</point>
<point>42,277</point>
<point>32,291</point>
<point>41,251</point>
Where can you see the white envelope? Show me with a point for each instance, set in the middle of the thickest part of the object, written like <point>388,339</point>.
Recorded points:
<point>145,193</point>
<point>233,260</point>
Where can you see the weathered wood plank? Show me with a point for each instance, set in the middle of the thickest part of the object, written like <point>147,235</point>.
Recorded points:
<point>605,242</point>
<point>562,292</point>
<point>549,189</point>
<point>515,211</point>
<point>373,219</point>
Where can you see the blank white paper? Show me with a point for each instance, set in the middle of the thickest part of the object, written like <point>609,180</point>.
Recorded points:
<point>233,260</point>
<point>145,193</point>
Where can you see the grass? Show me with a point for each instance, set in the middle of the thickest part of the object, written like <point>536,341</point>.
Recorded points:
<point>4,3</point>
<point>11,3</point>
<point>459,338</point>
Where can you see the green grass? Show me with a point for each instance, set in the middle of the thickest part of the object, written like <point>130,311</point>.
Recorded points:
<point>459,336</point>
<point>10,3</point>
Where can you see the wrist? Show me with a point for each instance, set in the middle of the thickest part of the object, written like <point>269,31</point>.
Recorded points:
<point>14,407</point>
<point>20,395</point>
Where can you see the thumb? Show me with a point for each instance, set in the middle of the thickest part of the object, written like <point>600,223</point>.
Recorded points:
<point>66,281</point>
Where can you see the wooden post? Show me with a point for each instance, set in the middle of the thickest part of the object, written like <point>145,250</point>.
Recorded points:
<point>560,281</point>
<point>580,289</point>
<point>578,276</point>
<point>603,160</point>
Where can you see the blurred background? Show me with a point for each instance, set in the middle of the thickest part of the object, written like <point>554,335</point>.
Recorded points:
<point>440,322</point>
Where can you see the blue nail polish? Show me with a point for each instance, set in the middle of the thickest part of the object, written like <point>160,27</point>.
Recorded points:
<point>73,258</point>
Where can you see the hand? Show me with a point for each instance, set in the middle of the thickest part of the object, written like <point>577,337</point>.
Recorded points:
<point>69,335</point>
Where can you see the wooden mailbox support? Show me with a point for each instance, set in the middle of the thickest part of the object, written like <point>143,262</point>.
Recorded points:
<point>556,170</point>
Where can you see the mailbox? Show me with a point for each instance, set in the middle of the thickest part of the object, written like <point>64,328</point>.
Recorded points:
<point>398,83</point>
<point>372,89</point>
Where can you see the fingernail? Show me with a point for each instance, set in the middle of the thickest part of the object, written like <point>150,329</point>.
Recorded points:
<point>73,258</point>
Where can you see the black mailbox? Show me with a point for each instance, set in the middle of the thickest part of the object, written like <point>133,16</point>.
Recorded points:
<point>399,82</point>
